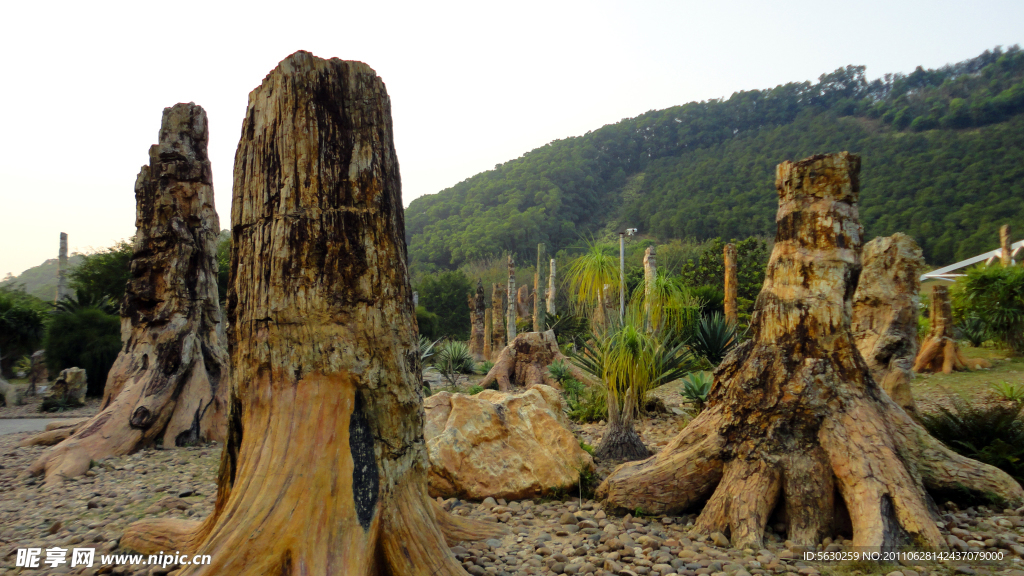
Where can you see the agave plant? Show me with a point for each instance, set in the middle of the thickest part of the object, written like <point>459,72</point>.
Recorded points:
<point>713,338</point>
<point>696,387</point>
<point>974,330</point>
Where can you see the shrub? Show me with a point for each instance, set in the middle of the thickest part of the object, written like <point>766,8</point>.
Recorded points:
<point>559,372</point>
<point>991,434</point>
<point>973,330</point>
<point>85,338</point>
<point>714,338</point>
<point>590,404</point>
<point>696,387</point>
<point>454,358</point>
<point>428,322</point>
<point>484,367</point>
<point>995,295</point>
<point>474,389</point>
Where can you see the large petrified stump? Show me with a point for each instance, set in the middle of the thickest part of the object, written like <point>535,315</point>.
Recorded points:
<point>477,322</point>
<point>794,417</point>
<point>884,322</point>
<point>169,381</point>
<point>524,363</point>
<point>501,444</point>
<point>939,351</point>
<point>324,468</point>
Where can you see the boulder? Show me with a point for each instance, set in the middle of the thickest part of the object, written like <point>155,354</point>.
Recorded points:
<point>502,445</point>
<point>8,396</point>
<point>68,391</point>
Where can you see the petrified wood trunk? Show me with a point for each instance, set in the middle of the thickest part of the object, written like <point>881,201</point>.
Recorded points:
<point>324,469</point>
<point>551,289</point>
<point>62,269</point>
<point>794,417</point>
<point>170,379</point>
<point>538,293</point>
<point>510,313</point>
<point>650,276</point>
<point>524,363</point>
<point>731,313</point>
<point>488,333</point>
<point>499,295</point>
<point>523,303</point>
<point>476,336</point>
<point>939,351</point>
<point>1005,252</point>
<point>884,322</point>
<point>39,374</point>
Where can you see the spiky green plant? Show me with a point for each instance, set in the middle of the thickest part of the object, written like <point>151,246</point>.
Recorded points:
<point>991,434</point>
<point>454,358</point>
<point>696,387</point>
<point>588,275</point>
<point>1009,391</point>
<point>974,330</point>
<point>714,337</point>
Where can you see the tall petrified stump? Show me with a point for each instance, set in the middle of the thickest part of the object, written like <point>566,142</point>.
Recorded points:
<point>794,415</point>
<point>939,350</point>
<point>324,469</point>
<point>477,322</point>
<point>170,379</point>
<point>884,323</point>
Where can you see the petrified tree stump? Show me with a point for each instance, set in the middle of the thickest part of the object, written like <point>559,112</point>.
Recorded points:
<point>476,313</point>
<point>62,269</point>
<point>1005,252</point>
<point>650,276</point>
<point>731,285</point>
<point>324,469</point>
<point>538,293</point>
<point>170,379</point>
<point>525,361</point>
<point>939,351</point>
<point>510,313</point>
<point>498,297</point>
<point>794,416</point>
<point>523,303</point>
<point>488,333</point>
<point>39,373</point>
<point>884,322</point>
<point>551,289</point>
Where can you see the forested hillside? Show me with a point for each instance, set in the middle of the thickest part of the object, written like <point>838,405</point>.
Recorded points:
<point>41,281</point>
<point>942,152</point>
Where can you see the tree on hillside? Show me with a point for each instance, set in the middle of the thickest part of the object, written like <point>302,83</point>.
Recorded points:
<point>104,274</point>
<point>444,294</point>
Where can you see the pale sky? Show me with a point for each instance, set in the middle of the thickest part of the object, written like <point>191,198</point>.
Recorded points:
<point>472,84</point>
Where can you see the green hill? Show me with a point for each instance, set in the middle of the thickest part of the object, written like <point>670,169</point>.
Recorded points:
<point>942,160</point>
<point>41,281</point>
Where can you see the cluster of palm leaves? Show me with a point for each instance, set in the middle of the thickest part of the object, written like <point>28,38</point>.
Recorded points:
<point>995,296</point>
<point>991,434</point>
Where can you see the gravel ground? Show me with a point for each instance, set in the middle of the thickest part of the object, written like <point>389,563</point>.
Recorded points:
<point>554,537</point>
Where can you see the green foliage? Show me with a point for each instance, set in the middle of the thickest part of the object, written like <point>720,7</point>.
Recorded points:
<point>454,358</point>
<point>588,276</point>
<point>40,281</point>
<point>559,371</point>
<point>714,338</point>
<point>474,389</point>
<point>974,330</point>
<point>428,322</point>
<point>444,294</point>
<point>570,329</point>
<point>709,269</point>
<point>426,347</point>
<point>86,338</point>
<point>104,274</point>
<point>21,326</point>
<point>484,367</point>
<point>696,387</point>
<point>587,447</point>
<point>711,298</point>
<point>585,403</point>
<point>991,434</point>
<point>995,295</point>
<point>1008,391</point>
<point>85,299</point>
<point>706,169</point>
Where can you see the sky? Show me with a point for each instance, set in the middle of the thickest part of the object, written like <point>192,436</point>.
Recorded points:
<point>472,84</point>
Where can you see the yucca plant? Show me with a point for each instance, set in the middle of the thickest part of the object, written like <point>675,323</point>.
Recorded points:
<point>591,276</point>
<point>1011,392</point>
<point>696,387</point>
<point>713,338</point>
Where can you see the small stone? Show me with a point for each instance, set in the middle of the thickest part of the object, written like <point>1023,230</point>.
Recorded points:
<point>489,503</point>
<point>567,518</point>
<point>964,570</point>
<point>55,527</point>
<point>720,540</point>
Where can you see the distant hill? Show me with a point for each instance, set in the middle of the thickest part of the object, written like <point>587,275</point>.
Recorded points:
<point>41,281</point>
<point>942,160</point>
